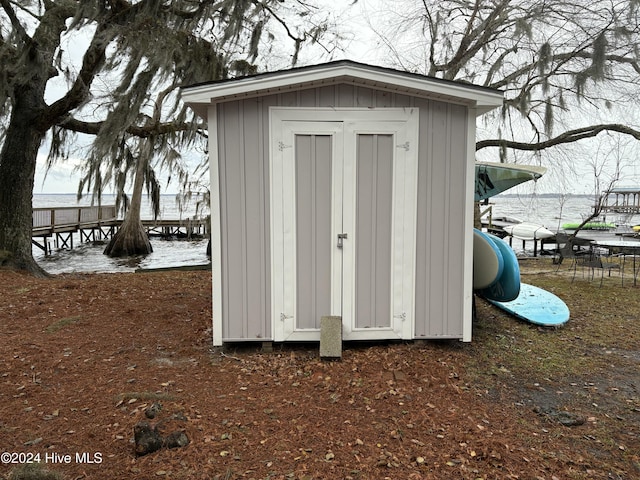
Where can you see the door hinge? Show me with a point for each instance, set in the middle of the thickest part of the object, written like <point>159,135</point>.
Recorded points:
<point>282,146</point>
<point>284,316</point>
<point>405,145</point>
<point>341,237</point>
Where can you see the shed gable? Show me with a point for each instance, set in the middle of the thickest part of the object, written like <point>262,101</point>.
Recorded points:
<point>342,72</point>
<point>241,148</point>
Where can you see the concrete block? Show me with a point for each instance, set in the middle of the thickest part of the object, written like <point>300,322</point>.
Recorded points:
<point>331,337</point>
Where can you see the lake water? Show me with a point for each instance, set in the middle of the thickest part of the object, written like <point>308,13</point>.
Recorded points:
<point>549,211</point>
<point>546,210</point>
<point>87,257</point>
<point>552,211</point>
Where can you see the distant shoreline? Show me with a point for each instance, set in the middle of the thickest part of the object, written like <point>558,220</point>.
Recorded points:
<point>502,195</point>
<point>546,195</point>
<point>172,194</point>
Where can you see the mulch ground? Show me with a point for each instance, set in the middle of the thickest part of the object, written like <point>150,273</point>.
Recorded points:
<point>84,358</point>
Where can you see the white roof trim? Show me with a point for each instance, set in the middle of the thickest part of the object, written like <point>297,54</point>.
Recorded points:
<point>483,99</point>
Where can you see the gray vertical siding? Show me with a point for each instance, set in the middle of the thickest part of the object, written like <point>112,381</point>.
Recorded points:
<point>441,205</point>
<point>243,131</point>
<point>345,96</point>
<point>244,200</point>
<point>313,229</point>
<point>374,179</point>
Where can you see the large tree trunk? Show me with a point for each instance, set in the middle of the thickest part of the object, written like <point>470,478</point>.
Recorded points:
<point>29,67</point>
<point>17,170</point>
<point>131,239</point>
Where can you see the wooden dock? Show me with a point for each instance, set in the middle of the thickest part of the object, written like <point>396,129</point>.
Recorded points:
<point>623,200</point>
<point>54,227</point>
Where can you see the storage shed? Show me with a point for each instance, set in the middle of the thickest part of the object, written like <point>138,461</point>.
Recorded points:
<point>341,189</point>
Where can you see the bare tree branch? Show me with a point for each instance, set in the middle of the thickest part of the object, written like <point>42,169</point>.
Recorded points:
<point>15,22</point>
<point>93,59</point>
<point>145,131</point>
<point>564,138</point>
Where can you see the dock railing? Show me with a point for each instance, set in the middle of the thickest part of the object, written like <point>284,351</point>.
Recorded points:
<point>60,219</point>
<point>56,226</point>
<point>625,200</point>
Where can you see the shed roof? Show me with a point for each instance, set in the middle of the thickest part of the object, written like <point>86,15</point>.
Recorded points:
<point>343,71</point>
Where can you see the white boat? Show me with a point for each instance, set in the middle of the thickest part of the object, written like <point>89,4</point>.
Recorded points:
<point>493,178</point>
<point>528,231</point>
<point>506,219</point>
<point>501,221</point>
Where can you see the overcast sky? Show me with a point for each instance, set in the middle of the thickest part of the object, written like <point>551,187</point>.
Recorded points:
<point>365,47</point>
<point>64,178</point>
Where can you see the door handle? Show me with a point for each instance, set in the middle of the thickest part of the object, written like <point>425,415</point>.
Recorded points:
<point>341,237</point>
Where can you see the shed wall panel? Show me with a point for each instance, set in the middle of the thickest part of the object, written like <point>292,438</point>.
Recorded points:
<point>243,130</point>
<point>383,99</point>
<point>289,99</point>
<point>326,96</point>
<point>345,95</point>
<point>256,205</point>
<point>401,100</point>
<point>364,97</point>
<point>244,219</point>
<point>457,227</point>
<point>441,205</point>
<point>308,98</point>
<point>233,234</point>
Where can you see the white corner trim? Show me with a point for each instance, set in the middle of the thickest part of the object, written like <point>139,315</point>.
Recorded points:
<point>467,284</point>
<point>216,232</point>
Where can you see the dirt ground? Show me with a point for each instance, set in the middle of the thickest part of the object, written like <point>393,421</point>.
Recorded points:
<point>84,358</point>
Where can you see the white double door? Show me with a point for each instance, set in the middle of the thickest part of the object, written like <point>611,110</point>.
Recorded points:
<point>343,216</point>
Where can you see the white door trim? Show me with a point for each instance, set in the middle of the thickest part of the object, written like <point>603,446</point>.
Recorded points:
<point>284,123</point>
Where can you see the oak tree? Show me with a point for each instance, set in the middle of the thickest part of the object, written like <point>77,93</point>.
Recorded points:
<point>570,70</point>
<point>118,65</point>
